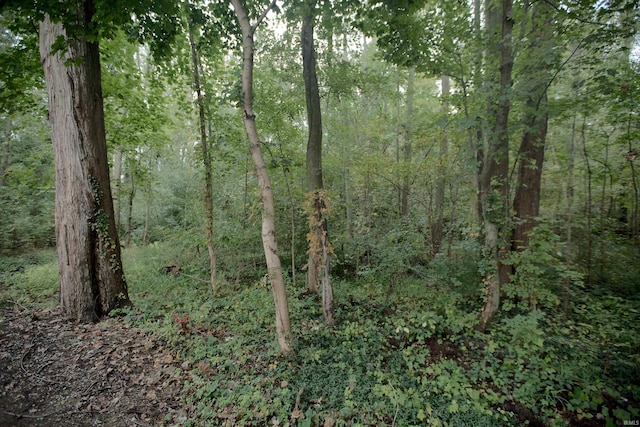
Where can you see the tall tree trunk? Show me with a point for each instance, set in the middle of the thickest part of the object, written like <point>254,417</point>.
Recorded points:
<point>526,203</point>
<point>399,167</point>
<point>147,215</point>
<point>588,206</point>
<point>130,195</point>
<point>92,282</point>
<point>438,199</point>
<point>314,141</point>
<point>319,249</point>
<point>408,149</point>
<point>569,247</point>
<point>476,134</point>
<point>494,183</point>
<point>117,179</point>
<point>6,146</point>
<point>206,157</point>
<point>269,242</point>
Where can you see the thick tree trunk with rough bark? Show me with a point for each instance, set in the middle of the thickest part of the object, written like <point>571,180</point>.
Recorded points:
<point>269,242</point>
<point>494,185</point>
<point>92,282</point>
<point>319,266</point>
<point>314,123</point>
<point>526,203</point>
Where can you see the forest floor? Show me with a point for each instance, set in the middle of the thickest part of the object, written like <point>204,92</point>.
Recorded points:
<point>57,373</point>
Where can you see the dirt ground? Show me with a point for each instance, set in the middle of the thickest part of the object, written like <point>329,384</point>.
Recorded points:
<point>57,373</point>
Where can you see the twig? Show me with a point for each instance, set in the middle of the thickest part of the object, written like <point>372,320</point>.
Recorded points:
<point>48,414</point>
<point>395,416</point>
<point>296,407</point>
<point>194,278</point>
<point>23,357</point>
<point>140,423</point>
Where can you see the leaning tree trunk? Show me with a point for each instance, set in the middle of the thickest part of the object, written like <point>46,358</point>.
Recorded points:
<point>319,249</point>
<point>269,242</point>
<point>495,173</point>
<point>92,282</point>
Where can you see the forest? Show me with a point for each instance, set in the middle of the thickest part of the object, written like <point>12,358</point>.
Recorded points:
<point>320,213</point>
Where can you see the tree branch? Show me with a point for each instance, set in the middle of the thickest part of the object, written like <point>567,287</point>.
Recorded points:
<point>263,16</point>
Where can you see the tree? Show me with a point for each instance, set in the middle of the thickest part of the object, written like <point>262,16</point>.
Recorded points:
<point>319,248</point>
<point>269,241</point>
<point>536,80</point>
<point>438,200</point>
<point>494,176</point>
<point>205,147</point>
<point>92,281</point>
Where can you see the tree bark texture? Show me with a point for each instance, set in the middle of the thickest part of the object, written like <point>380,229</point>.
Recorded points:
<point>314,123</point>
<point>207,200</point>
<point>526,204</point>
<point>494,177</point>
<point>408,149</point>
<point>92,281</point>
<point>269,242</point>
<point>131,194</point>
<point>117,174</point>
<point>319,267</point>
<point>6,146</point>
<point>438,200</point>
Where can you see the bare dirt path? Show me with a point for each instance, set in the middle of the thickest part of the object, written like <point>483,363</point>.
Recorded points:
<point>57,373</point>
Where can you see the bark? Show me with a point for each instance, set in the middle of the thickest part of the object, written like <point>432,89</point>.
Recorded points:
<point>314,122</point>
<point>130,196</point>
<point>117,173</point>
<point>569,248</point>
<point>269,242</point>
<point>207,200</point>
<point>92,282</point>
<point>408,149</point>
<point>438,200</point>
<point>588,206</point>
<point>147,216</point>
<point>319,266</point>
<point>526,204</point>
<point>4,163</point>
<point>494,176</point>
<point>476,136</point>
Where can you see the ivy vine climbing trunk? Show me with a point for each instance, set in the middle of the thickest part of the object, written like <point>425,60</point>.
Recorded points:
<point>319,248</point>
<point>207,200</point>
<point>494,184</point>
<point>92,282</point>
<point>269,242</point>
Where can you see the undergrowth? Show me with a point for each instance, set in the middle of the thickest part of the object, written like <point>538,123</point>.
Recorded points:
<point>411,359</point>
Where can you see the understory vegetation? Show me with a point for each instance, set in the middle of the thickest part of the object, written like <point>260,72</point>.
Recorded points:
<point>367,213</point>
<point>405,355</point>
